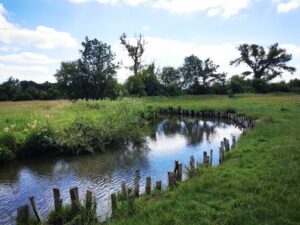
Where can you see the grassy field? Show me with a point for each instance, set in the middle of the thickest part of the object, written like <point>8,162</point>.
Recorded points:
<point>259,182</point>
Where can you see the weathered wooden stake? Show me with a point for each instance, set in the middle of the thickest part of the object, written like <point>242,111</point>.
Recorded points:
<point>176,164</point>
<point>233,142</point>
<point>23,215</point>
<point>131,196</point>
<point>192,163</point>
<point>137,183</point>
<point>171,179</point>
<point>36,210</point>
<point>57,200</point>
<point>113,204</point>
<point>204,157</point>
<point>148,185</point>
<point>211,157</point>
<point>158,185</point>
<point>180,172</point>
<point>124,191</point>
<point>75,198</point>
<point>88,199</point>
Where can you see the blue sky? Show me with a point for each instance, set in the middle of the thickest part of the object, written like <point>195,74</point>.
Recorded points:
<point>36,35</point>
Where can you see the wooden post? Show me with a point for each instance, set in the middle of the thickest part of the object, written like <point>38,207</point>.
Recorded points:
<point>148,185</point>
<point>124,191</point>
<point>88,199</point>
<point>158,185</point>
<point>131,203</point>
<point>35,210</point>
<point>180,172</point>
<point>137,183</point>
<point>57,200</point>
<point>192,163</point>
<point>23,215</point>
<point>74,198</point>
<point>233,142</point>
<point>176,164</point>
<point>211,157</point>
<point>171,179</point>
<point>113,204</point>
<point>204,157</point>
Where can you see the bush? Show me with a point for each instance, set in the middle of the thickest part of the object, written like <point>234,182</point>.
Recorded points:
<point>38,141</point>
<point>5,154</point>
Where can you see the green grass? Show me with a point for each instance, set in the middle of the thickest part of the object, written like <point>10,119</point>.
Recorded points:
<point>259,182</point>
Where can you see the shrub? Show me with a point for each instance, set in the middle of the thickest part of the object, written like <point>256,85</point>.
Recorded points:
<point>5,154</point>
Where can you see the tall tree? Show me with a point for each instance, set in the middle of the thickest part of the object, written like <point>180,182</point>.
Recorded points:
<point>264,65</point>
<point>135,51</point>
<point>88,76</point>
<point>169,75</point>
<point>196,72</point>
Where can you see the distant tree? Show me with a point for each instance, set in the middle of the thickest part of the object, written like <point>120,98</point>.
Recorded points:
<point>88,76</point>
<point>135,51</point>
<point>150,78</point>
<point>264,65</point>
<point>135,86</point>
<point>197,74</point>
<point>169,75</point>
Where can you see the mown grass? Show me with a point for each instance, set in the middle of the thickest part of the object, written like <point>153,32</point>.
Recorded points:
<point>259,182</point>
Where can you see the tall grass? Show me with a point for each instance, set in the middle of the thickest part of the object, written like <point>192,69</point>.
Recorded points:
<point>81,127</point>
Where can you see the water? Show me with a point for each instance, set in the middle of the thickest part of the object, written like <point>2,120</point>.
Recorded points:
<point>168,139</point>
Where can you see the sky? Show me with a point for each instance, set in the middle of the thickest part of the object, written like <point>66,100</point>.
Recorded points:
<point>37,35</point>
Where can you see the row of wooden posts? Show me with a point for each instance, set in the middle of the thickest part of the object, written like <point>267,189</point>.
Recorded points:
<point>246,122</point>
<point>130,194</point>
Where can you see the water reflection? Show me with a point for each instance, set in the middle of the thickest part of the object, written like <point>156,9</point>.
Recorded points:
<point>168,139</point>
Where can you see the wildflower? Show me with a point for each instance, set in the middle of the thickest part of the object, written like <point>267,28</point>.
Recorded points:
<point>25,129</point>
<point>12,126</point>
<point>6,129</point>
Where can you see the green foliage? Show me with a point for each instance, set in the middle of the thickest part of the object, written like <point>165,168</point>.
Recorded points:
<point>136,86</point>
<point>5,154</point>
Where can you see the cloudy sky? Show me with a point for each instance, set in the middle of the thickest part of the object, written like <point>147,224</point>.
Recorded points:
<point>36,35</point>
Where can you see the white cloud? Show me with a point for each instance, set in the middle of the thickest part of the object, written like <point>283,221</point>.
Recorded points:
<point>167,52</point>
<point>27,58</point>
<point>27,72</point>
<point>224,8</point>
<point>42,37</point>
<point>287,6</point>
<point>146,28</point>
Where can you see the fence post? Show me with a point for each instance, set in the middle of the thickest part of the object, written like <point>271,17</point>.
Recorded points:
<point>158,185</point>
<point>171,179</point>
<point>211,157</point>
<point>137,183</point>
<point>124,191</point>
<point>35,210</point>
<point>180,172</point>
<point>75,198</point>
<point>88,199</point>
<point>113,204</point>
<point>57,200</point>
<point>148,185</point>
<point>23,215</point>
<point>192,163</point>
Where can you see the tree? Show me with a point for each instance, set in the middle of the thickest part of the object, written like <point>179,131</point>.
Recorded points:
<point>88,76</point>
<point>196,73</point>
<point>170,75</point>
<point>264,65</point>
<point>135,52</point>
<point>135,86</point>
<point>152,85</point>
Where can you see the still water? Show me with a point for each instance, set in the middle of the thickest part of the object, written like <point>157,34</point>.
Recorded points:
<point>168,139</point>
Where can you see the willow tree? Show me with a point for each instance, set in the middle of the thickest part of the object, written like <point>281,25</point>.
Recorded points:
<point>264,65</point>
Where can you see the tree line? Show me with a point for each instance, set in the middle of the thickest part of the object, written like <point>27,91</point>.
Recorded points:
<point>93,75</point>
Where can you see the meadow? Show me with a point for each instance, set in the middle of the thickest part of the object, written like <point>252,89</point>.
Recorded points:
<point>259,182</point>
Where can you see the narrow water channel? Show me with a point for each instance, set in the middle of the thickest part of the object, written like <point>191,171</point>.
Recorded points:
<point>169,139</point>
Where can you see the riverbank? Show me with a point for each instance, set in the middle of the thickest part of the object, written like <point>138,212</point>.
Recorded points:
<point>259,180</point>
<point>61,127</point>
